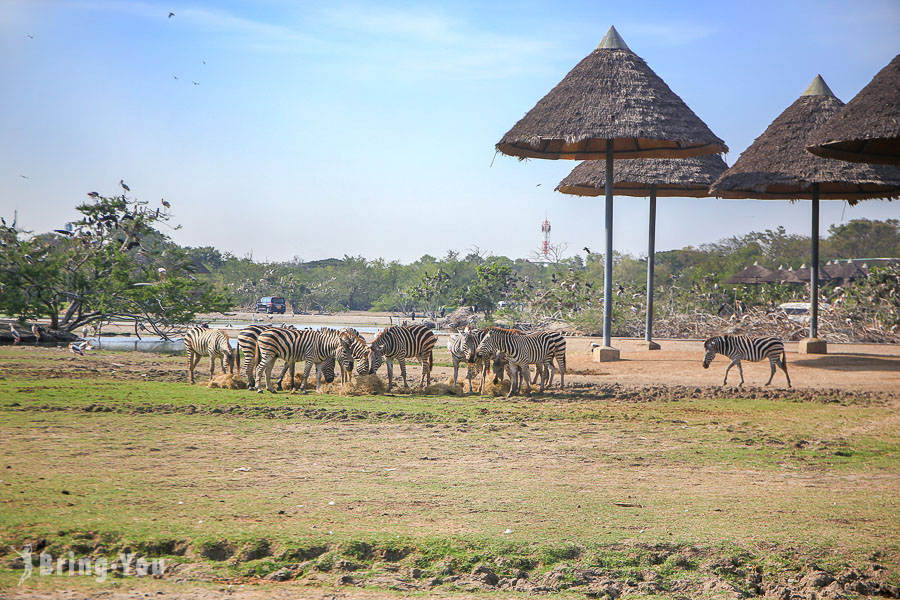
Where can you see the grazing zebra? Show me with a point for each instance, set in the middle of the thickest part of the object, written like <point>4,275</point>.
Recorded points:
<point>463,347</point>
<point>246,351</point>
<point>521,350</point>
<point>742,347</point>
<point>203,341</point>
<point>359,350</point>
<point>558,352</point>
<point>291,345</point>
<point>401,342</point>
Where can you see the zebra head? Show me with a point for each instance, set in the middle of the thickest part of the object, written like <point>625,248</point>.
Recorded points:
<point>327,369</point>
<point>470,343</point>
<point>343,354</point>
<point>488,345</point>
<point>370,362</point>
<point>712,348</point>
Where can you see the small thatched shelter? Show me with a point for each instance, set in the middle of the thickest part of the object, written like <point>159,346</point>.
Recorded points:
<point>611,105</point>
<point>777,166</point>
<point>754,274</point>
<point>682,177</point>
<point>868,128</point>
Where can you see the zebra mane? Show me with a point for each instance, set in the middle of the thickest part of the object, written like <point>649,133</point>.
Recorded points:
<point>382,332</point>
<point>504,330</point>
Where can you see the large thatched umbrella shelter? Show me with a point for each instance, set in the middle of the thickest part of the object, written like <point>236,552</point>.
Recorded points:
<point>611,105</point>
<point>680,177</point>
<point>777,166</point>
<point>868,128</point>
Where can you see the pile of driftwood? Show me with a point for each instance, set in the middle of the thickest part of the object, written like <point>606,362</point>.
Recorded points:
<point>835,325</point>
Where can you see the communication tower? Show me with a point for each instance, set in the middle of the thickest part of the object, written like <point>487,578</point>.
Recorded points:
<point>545,245</point>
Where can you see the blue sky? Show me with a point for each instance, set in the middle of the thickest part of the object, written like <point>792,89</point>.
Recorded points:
<point>320,129</point>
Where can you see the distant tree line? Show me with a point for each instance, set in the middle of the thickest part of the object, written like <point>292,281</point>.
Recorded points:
<point>116,263</point>
<point>563,288</point>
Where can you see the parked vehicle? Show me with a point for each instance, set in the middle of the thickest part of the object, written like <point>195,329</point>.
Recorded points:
<point>798,312</point>
<point>271,304</point>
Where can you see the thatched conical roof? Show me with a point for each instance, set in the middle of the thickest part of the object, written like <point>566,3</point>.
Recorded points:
<point>786,276</point>
<point>868,128</point>
<point>752,274</point>
<point>803,274</point>
<point>846,271</point>
<point>610,94</point>
<point>681,177</point>
<point>777,165</point>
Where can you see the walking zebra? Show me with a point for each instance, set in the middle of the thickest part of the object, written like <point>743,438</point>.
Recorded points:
<point>742,347</point>
<point>203,341</point>
<point>520,350</point>
<point>291,345</point>
<point>401,342</point>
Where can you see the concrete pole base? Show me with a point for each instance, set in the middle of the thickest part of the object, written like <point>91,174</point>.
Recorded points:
<point>813,346</point>
<point>604,353</point>
<point>645,345</point>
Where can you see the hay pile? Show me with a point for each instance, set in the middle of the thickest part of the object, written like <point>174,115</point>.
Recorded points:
<point>496,389</point>
<point>227,381</point>
<point>360,385</point>
<point>443,389</point>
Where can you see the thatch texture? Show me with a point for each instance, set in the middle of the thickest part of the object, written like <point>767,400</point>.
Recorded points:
<point>844,272</point>
<point>803,274</point>
<point>868,128</point>
<point>786,276</point>
<point>681,177</point>
<point>610,94</point>
<point>777,165</point>
<point>752,274</point>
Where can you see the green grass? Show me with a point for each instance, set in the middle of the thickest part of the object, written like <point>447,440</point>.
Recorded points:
<point>433,483</point>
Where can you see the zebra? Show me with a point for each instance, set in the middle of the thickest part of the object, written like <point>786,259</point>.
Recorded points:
<point>463,347</point>
<point>558,352</point>
<point>401,342</point>
<point>521,350</point>
<point>315,347</point>
<point>246,351</point>
<point>742,347</point>
<point>200,341</point>
<point>359,350</point>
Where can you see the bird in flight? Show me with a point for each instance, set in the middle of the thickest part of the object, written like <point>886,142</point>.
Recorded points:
<point>124,185</point>
<point>29,35</point>
<point>195,83</point>
<point>586,249</point>
<point>171,14</point>
<point>174,76</point>
<point>165,203</point>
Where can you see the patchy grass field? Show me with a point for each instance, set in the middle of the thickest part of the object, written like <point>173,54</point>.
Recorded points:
<point>595,491</point>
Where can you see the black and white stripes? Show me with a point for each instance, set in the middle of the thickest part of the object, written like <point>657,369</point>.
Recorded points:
<point>742,347</point>
<point>401,342</point>
<point>202,341</point>
<point>520,350</point>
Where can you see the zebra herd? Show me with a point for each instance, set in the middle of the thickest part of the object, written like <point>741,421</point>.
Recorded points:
<point>505,351</point>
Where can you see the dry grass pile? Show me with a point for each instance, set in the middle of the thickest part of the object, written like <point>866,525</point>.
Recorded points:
<point>227,381</point>
<point>360,385</point>
<point>443,389</point>
<point>496,389</point>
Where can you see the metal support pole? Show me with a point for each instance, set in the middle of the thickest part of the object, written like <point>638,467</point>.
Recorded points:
<point>651,259</point>
<point>814,267</point>
<point>608,262</point>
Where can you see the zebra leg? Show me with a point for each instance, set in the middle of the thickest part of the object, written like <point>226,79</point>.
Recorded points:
<point>783,364</point>
<point>284,369</point>
<point>526,376</point>
<point>306,371</point>
<point>426,370</point>
<point>512,380</point>
<point>265,369</point>
<point>456,371</point>
<point>390,370</point>
<point>741,371</point>
<point>561,362</point>
<point>190,359</point>
<point>470,371</point>
<point>772,360</point>
<point>735,361</point>
<point>212,365</point>
<point>402,362</point>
